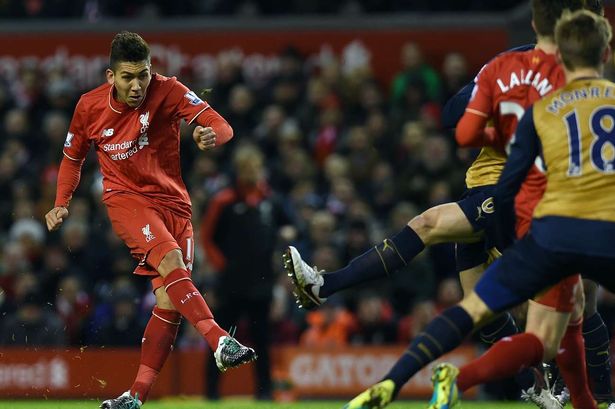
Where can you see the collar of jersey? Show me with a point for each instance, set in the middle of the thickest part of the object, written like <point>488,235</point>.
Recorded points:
<point>119,107</point>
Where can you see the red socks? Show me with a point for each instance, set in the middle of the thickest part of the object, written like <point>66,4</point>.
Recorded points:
<point>504,359</point>
<point>157,343</point>
<point>191,304</point>
<point>571,363</point>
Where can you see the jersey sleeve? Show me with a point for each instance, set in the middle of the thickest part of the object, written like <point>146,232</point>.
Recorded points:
<point>456,105</point>
<point>77,142</point>
<point>188,104</point>
<point>481,100</point>
<point>524,148</point>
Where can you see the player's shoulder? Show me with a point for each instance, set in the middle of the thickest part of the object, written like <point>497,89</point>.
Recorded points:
<point>95,99</point>
<point>162,81</point>
<point>99,93</point>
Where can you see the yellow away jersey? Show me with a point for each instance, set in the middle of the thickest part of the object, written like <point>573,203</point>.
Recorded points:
<point>486,168</point>
<point>576,127</point>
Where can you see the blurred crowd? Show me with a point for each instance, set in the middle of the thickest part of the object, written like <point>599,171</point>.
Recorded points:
<point>348,159</point>
<point>97,9</point>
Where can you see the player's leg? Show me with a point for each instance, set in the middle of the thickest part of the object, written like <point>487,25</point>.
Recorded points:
<point>570,353</point>
<point>507,282</point>
<point>597,345</point>
<point>443,334</point>
<point>158,340</point>
<point>188,300</point>
<point>152,234</point>
<point>444,223</point>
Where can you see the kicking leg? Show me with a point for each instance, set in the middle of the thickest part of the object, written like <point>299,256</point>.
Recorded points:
<point>191,304</point>
<point>444,223</point>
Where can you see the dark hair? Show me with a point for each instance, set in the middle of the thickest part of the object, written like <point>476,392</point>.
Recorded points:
<point>545,13</point>
<point>127,46</point>
<point>595,6</point>
<point>582,38</point>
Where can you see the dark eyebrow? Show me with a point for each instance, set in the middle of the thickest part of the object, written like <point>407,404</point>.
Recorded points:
<point>131,73</point>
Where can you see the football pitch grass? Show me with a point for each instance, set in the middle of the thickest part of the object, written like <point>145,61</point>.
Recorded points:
<point>243,404</point>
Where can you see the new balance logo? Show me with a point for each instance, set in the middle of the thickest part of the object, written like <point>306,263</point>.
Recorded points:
<point>149,236</point>
<point>107,132</point>
<point>189,296</point>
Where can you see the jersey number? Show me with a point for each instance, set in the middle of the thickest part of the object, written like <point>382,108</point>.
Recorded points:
<point>514,108</point>
<point>602,135</point>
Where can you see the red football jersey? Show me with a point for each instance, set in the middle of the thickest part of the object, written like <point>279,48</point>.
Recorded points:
<point>137,148</point>
<point>504,89</point>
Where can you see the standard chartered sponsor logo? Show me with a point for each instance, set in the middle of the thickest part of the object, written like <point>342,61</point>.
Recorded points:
<point>111,147</point>
<point>129,147</point>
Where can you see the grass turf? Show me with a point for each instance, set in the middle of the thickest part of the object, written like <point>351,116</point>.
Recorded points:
<point>241,404</point>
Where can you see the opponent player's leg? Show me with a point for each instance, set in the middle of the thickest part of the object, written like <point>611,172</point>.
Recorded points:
<point>443,223</point>
<point>597,346</point>
<point>443,334</point>
<point>504,324</point>
<point>507,282</point>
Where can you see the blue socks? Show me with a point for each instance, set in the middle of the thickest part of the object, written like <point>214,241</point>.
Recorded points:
<point>503,326</point>
<point>379,261</point>
<point>443,334</point>
<point>597,356</point>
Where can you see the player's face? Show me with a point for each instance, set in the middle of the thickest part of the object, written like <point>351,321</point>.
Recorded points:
<point>130,80</point>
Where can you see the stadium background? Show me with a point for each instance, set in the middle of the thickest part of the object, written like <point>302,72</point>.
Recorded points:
<point>343,98</point>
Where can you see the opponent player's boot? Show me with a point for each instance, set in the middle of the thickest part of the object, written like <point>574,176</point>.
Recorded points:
<point>540,393</point>
<point>606,405</point>
<point>124,401</point>
<point>445,392</point>
<point>230,353</point>
<point>376,397</point>
<point>306,280</point>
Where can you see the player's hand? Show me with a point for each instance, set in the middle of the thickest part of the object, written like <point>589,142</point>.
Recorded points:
<point>55,217</point>
<point>205,138</point>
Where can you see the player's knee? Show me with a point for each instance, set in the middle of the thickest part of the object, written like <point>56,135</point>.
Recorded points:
<point>163,300</point>
<point>476,308</point>
<point>425,225</point>
<point>171,261</point>
<point>551,347</point>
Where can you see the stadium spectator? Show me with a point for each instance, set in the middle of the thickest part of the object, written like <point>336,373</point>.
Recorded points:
<point>239,233</point>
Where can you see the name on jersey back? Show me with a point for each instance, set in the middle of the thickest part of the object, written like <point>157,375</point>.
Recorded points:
<point>534,79</point>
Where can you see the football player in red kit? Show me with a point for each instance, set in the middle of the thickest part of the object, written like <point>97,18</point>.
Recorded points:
<point>133,123</point>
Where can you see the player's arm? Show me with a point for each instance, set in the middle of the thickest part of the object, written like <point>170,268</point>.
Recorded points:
<point>456,105</point>
<point>524,149</point>
<point>212,130</point>
<point>472,127</point>
<point>75,149</point>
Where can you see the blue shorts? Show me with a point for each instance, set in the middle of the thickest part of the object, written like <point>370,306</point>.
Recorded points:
<point>477,205</point>
<point>526,268</point>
